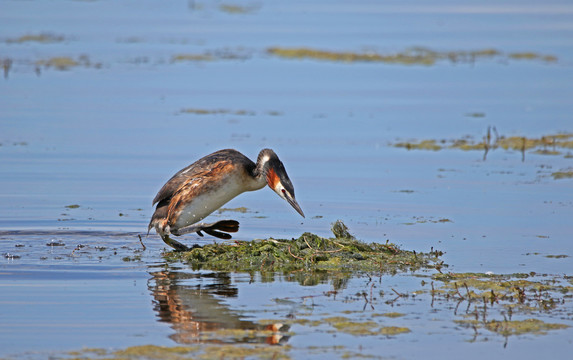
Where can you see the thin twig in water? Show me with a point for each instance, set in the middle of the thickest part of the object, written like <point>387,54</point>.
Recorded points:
<point>458,291</point>
<point>467,290</point>
<point>433,292</point>
<point>141,241</point>
<point>371,297</point>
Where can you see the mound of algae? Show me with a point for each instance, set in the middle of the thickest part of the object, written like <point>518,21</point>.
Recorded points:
<point>309,252</point>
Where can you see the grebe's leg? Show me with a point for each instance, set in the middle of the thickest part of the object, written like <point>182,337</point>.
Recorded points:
<point>225,226</point>
<point>175,244</point>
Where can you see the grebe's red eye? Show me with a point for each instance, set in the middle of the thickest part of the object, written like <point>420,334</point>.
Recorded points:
<point>284,191</point>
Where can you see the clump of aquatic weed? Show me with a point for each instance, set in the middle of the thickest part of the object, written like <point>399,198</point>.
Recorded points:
<point>308,252</point>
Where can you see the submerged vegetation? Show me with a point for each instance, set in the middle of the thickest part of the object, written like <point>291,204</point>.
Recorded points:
<point>342,253</point>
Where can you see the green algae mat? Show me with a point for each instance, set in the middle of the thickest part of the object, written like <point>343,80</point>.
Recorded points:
<point>342,253</point>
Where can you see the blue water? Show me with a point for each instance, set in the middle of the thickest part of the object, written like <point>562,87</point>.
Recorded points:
<point>108,135</point>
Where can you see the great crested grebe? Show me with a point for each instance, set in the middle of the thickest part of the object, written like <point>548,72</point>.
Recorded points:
<point>207,184</point>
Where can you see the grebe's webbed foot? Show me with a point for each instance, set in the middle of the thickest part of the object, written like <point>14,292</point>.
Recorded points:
<point>225,226</point>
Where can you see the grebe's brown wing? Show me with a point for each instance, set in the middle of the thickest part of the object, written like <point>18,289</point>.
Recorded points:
<point>201,183</point>
<point>197,170</point>
<point>173,184</point>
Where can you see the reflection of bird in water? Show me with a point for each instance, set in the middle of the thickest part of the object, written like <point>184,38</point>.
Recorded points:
<point>197,313</point>
<point>206,185</point>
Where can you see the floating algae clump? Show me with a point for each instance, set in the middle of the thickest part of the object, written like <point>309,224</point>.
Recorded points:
<point>60,62</point>
<point>544,145</point>
<point>39,38</point>
<point>349,326</point>
<point>514,327</point>
<point>67,63</point>
<point>408,58</point>
<point>191,57</point>
<point>219,351</point>
<point>411,56</point>
<point>422,145</point>
<point>309,252</point>
<point>562,174</point>
<point>154,352</point>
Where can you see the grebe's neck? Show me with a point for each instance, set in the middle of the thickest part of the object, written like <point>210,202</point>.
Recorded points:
<point>264,160</point>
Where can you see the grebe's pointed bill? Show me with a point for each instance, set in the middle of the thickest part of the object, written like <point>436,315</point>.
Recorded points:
<point>295,205</point>
<point>280,183</point>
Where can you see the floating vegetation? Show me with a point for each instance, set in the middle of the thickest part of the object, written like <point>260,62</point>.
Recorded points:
<point>345,325</point>
<point>350,57</point>
<point>532,56</point>
<point>412,56</point>
<point>73,206</point>
<point>544,145</point>
<point>513,327</point>
<point>238,9</point>
<point>422,220</point>
<point>214,55</point>
<point>390,315</point>
<point>309,252</point>
<point>66,63</point>
<point>222,351</point>
<point>514,292</point>
<point>494,300</point>
<point>240,112</point>
<point>556,256</point>
<point>241,209</point>
<point>562,174</point>
<point>45,38</point>
<point>191,57</point>
<point>60,63</point>
<point>422,145</point>
<point>199,111</point>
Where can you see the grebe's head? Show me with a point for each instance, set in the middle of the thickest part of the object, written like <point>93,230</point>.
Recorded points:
<point>277,177</point>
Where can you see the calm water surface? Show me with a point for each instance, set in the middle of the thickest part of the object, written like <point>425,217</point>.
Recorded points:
<point>107,133</point>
